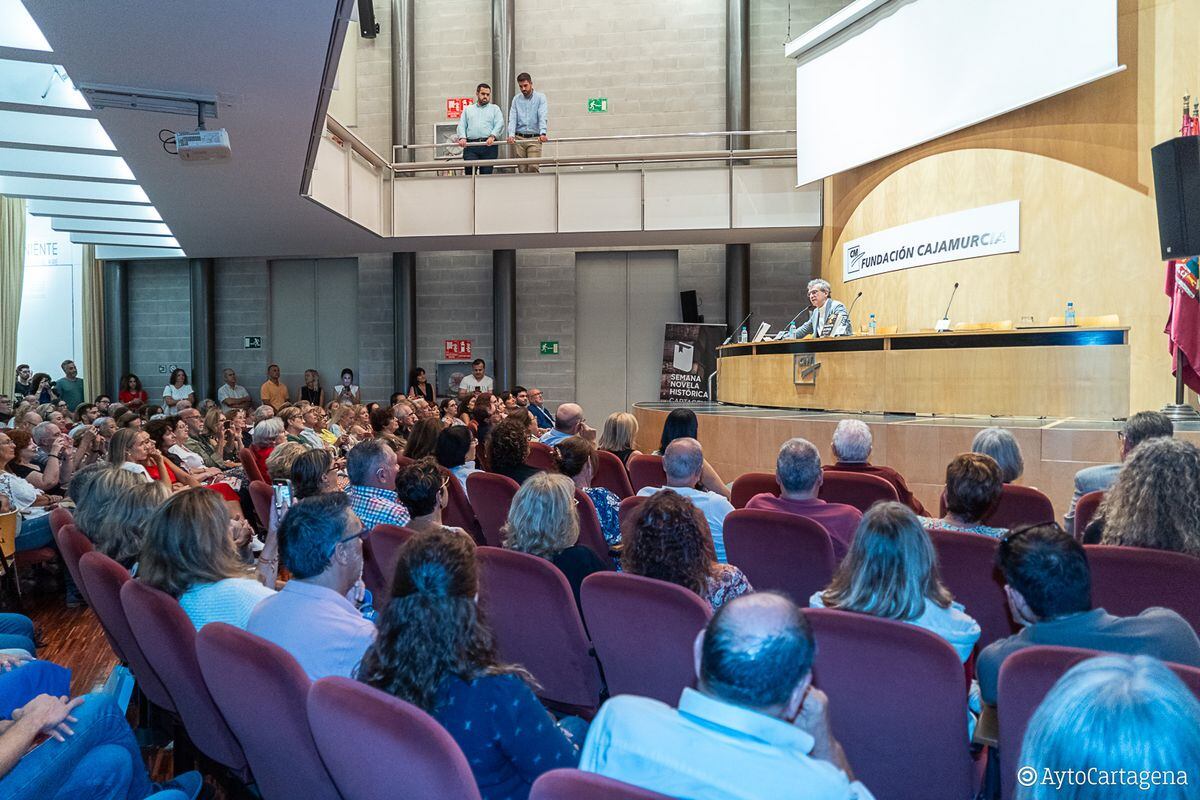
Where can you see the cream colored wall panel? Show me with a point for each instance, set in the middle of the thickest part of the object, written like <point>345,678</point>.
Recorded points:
<point>328,186</point>
<point>687,199</point>
<point>599,201</point>
<point>366,189</point>
<point>515,204</point>
<point>766,197</point>
<point>440,206</point>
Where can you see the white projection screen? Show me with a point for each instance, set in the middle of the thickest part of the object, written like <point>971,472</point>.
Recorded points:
<point>884,75</point>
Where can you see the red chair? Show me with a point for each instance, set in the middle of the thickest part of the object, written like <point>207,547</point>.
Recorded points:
<point>422,760</point>
<point>491,496</point>
<point>262,495</point>
<point>856,489</point>
<point>643,631</point>
<point>612,475</point>
<point>749,484</point>
<point>265,707</point>
<point>897,704</point>
<point>1020,505</point>
<point>779,551</point>
<point>629,507</point>
<point>458,511</point>
<point>1026,677</point>
<point>250,465</point>
<point>1085,510</point>
<point>381,553</point>
<point>541,456</point>
<point>529,605</point>
<point>590,534</point>
<point>59,517</point>
<point>967,563</point>
<point>574,784</point>
<point>646,471</point>
<point>72,545</point>
<point>168,640</point>
<point>1128,580</point>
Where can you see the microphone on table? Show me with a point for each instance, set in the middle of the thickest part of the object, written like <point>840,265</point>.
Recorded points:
<point>736,328</point>
<point>943,324</point>
<point>851,311</point>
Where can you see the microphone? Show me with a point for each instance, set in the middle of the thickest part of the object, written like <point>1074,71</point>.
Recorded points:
<point>851,311</point>
<point>736,328</point>
<point>943,324</point>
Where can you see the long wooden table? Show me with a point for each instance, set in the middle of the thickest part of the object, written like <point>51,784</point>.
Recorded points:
<point>1053,372</point>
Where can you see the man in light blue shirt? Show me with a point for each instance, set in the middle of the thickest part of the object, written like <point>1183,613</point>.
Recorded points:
<point>479,127</point>
<point>568,421</point>
<point>527,122</point>
<point>755,727</point>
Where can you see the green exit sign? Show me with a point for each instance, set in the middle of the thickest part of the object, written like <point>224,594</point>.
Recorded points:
<point>548,348</point>
<point>597,105</point>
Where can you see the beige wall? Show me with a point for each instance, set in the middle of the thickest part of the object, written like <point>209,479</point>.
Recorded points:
<point>1080,165</point>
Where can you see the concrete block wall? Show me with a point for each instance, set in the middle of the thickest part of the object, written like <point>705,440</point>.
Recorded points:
<point>375,328</point>
<point>546,312</point>
<point>159,322</point>
<point>454,301</point>
<point>374,83</point>
<point>453,52</point>
<point>241,293</point>
<point>779,275</point>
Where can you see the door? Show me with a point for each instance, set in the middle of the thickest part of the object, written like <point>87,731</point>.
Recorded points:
<point>314,319</point>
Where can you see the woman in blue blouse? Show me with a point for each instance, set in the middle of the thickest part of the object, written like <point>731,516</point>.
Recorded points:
<point>576,458</point>
<point>435,651</point>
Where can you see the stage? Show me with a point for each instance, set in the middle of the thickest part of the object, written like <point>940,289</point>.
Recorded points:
<point>740,439</point>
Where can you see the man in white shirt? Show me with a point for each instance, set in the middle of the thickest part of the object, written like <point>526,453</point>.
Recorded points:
<point>231,395</point>
<point>311,616</point>
<point>477,381</point>
<point>568,421</point>
<point>479,127</point>
<point>754,728</point>
<point>684,464</point>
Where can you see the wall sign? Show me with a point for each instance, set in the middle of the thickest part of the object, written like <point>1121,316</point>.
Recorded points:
<point>597,105</point>
<point>976,232</point>
<point>456,105</point>
<point>252,343</point>
<point>457,349</point>
<point>548,348</point>
<point>689,361</point>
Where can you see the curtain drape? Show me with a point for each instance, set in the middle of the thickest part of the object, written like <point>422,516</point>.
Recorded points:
<point>12,275</point>
<point>93,325</point>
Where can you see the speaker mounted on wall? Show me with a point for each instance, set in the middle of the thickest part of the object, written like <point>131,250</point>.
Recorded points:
<point>1177,192</point>
<point>689,306</point>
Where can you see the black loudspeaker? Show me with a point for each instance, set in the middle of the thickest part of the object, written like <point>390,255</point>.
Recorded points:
<point>1177,191</point>
<point>368,27</point>
<point>690,307</point>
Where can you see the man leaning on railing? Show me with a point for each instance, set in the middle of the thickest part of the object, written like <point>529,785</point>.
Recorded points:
<point>527,122</point>
<point>479,127</point>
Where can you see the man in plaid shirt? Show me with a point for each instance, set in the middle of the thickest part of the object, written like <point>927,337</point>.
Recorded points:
<point>372,466</point>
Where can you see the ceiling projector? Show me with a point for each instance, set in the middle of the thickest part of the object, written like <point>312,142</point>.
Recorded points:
<point>203,145</point>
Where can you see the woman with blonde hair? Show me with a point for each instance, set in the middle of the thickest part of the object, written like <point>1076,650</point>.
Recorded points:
<point>312,391</point>
<point>544,522</point>
<point>620,429</point>
<point>112,511</point>
<point>134,450</point>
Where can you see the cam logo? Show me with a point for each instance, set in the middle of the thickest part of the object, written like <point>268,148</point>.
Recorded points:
<point>855,254</point>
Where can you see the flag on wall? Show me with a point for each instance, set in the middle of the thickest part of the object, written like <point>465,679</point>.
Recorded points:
<point>1183,324</point>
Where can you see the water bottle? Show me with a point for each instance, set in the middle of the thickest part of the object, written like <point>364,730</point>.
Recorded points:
<point>1070,319</point>
<point>744,336</point>
<point>792,329</point>
<point>872,329</point>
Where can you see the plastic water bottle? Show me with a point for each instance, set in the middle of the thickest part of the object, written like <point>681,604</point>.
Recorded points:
<point>744,336</point>
<point>792,329</point>
<point>872,328</point>
<point>1070,319</point>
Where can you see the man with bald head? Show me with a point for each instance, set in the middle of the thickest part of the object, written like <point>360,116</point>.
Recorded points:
<point>568,422</point>
<point>683,462</point>
<point>754,727</point>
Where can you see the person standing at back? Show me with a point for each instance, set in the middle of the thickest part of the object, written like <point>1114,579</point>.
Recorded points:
<point>70,385</point>
<point>479,127</point>
<point>273,392</point>
<point>478,381</point>
<point>527,122</point>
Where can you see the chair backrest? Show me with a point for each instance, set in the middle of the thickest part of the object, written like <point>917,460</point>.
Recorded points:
<point>541,456</point>
<point>168,640</point>
<point>885,681</point>
<point>458,511</point>
<point>574,784</point>
<point>72,545</point>
<point>646,471</point>
<point>590,535</point>
<point>779,551</point>
<point>1128,580</point>
<point>422,760</point>
<point>612,475</point>
<point>749,484</point>
<point>381,553</point>
<point>629,507</point>
<point>59,517</point>
<point>262,693</point>
<point>1020,505</point>
<point>530,607</point>
<point>967,563</point>
<point>1026,677</point>
<point>643,630</point>
<point>250,465</point>
<point>855,489</point>
<point>1085,509</point>
<point>262,496</point>
<point>103,579</point>
<point>8,534</point>
<point>491,496</point>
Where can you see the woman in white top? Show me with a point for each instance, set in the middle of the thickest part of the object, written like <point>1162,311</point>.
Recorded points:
<point>190,552</point>
<point>347,392</point>
<point>178,389</point>
<point>132,449</point>
<point>21,495</point>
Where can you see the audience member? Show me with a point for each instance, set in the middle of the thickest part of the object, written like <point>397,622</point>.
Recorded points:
<point>435,650</point>
<point>683,464</point>
<point>86,413</point>
<point>424,438</point>
<point>103,403</point>
<point>508,400</point>
<point>418,386</point>
<point>196,441</point>
<point>23,387</point>
<point>973,486</point>
<point>508,450</point>
<point>348,393</point>
<point>455,450</point>
<point>668,538</point>
<point>1002,446</point>
<point>538,409</point>
<point>43,388</point>
<point>70,385</point>
<point>576,458</point>
<point>799,475</point>
<point>265,437</point>
<point>620,429</point>
<point>1049,589</point>
<point>263,412</point>
<point>526,421</point>
<point>421,487</point>
<point>232,396</point>
<point>21,496</point>
<point>384,426</point>
<point>754,726</point>
<point>449,409</point>
<point>852,443</point>
<point>682,424</point>
<point>273,392</point>
<point>313,472</point>
<point>544,522</point>
<point>1137,429</point>
<point>22,464</point>
<point>1155,502</point>
<point>178,389</point>
<point>112,512</point>
<point>132,395</point>
<point>218,430</point>
<point>162,433</point>
<point>130,420</point>
<point>485,413</point>
<point>132,449</point>
<point>373,469</point>
<point>477,382</point>
<point>320,543</point>
<point>53,448</point>
<point>312,391</point>
<point>568,421</point>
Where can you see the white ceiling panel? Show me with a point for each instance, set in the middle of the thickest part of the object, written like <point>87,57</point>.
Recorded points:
<point>34,84</point>
<point>111,253</point>
<point>59,164</point>
<point>73,190</point>
<point>69,225</point>
<point>127,239</point>
<point>19,29</point>
<point>53,131</point>
<point>73,208</point>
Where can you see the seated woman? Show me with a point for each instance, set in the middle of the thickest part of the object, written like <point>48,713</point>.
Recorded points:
<point>384,426</point>
<point>620,429</point>
<point>449,409</point>
<point>18,494</point>
<point>132,395</point>
<point>669,539</point>
<point>973,485</point>
<point>576,458</point>
<point>292,418</point>
<point>421,487</point>
<point>1155,502</point>
<point>163,433</point>
<point>523,416</point>
<point>266,436</point>
<point>313,472</point>
<point>23,467</point>
<point>423,439</point>
<point>131,420</point>
<point>435,650</point>
<point>507,450</point>
<point>131,449</point>
<point>190,552</point>
<point>455,450</point>
<point>543,522</point>
<point>1004,449</point>
<point>682,424</point>
<point>186,458</point>
<point>112,511</point>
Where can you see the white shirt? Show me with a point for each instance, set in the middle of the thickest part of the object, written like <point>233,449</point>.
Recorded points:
<point>230,600</point>
<point>19,491</point>
<point>177,394</point>
<point>137,469</point>
<point>469,383</point>
<point>344,399</point>
<point>225,393</point>
<point>191,460</point>
<point>713,506</point>
<point>462,471</point>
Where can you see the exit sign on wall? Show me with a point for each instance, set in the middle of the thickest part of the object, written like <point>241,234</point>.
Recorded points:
<point>597,105</point>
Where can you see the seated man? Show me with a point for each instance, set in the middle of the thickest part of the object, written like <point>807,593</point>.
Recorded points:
<point>534,396</point>
<point>310,616</point>
<point>852,445</point>
<point>684,464</point>
<point>754,728</point>
<point>798,473</point>
<point>1049,589</point>
<point>568,422</point>
<point>372,467</point>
